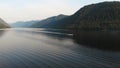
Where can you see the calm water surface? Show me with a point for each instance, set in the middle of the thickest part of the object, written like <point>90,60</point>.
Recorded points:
<point>36,48</point>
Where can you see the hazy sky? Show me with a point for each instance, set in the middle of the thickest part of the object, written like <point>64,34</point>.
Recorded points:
<point>23,10</point>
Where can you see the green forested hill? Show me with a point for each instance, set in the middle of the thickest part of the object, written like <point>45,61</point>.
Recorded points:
<point>100,16</point>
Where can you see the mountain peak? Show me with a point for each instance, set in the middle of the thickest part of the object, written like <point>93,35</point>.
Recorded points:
<point>62,15</point>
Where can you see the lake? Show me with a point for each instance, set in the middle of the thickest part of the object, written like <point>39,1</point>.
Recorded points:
<point>39,48</point>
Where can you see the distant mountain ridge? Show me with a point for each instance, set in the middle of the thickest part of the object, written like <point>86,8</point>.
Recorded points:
<point>23,23</point>
<point>100,16</point>
<point>39,23</point>
<point>95,25</point>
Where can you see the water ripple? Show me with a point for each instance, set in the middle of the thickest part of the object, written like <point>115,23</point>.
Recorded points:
<point>36,50</point>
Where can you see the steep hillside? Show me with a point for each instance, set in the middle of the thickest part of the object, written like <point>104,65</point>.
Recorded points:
<point>3,24</point>
<point>101,16</point>
<point>98,25</point>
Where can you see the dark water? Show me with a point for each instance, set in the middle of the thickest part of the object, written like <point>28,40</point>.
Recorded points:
<point>36,48</point>
<point>106,40</point>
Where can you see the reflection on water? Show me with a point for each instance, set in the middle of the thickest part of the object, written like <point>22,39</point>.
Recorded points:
<point>2,32</point>
<point>31,48</point>
<point>107,40</point>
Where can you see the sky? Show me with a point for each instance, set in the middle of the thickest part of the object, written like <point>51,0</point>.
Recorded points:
<point>25,10</point>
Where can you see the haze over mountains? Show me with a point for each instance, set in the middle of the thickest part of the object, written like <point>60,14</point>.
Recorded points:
<point>95,25</point>
<point>46,23</point>
<point>100,16</point>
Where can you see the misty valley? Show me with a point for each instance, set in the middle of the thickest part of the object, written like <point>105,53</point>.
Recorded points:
<point>89,38</point>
